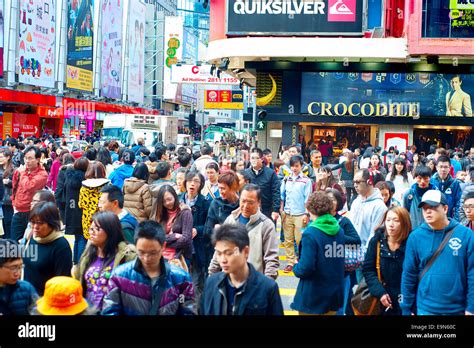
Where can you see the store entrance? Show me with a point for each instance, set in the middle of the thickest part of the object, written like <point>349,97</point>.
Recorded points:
<point>447,137</point>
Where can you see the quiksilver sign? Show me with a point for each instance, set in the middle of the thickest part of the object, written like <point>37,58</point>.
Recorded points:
<point>295,17</point>
<point>278,7</point>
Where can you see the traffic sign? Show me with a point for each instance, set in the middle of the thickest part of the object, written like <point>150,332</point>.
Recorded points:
<point>261,125</point>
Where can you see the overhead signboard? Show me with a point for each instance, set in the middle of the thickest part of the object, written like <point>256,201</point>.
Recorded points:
<point>295,17</point>
<point>200,75</point>
<point>387,94</point>
<point>224,99</point>
<point>173,53</point>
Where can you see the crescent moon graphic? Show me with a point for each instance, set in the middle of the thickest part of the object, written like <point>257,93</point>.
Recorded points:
<point>263,101</point>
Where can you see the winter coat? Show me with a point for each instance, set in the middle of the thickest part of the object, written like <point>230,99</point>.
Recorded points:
<point>7,199</point>
<point>259,296</point>
<point>269,185</point>
<point>129,224</point>
<point>72,211</point>
<point>132,293</point>
<point>89,201</point>
<point>59,194</point>
<point>411,200</point>
<point>118,176</point>
<point>202,245</point>
<point>152,169</point>
<point>17,299</point>
<point>25,185</point>
<point>447,287</point>
<point>219,210</point>
<point>137,198</point>
<point>391,268</point>
<point>263,244</point>
<point>451,188</point>
<point>321,285</point>
<point>183,225</point>
<point>53,175</point>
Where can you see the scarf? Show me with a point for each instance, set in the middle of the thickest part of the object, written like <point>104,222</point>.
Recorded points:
<point>327,224</point>
<point>49,238</point>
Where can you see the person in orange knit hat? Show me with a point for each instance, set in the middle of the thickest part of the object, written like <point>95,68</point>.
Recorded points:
<point>62,296</point>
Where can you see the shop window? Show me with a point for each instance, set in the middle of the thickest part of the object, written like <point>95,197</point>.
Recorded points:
<point>447,19</point>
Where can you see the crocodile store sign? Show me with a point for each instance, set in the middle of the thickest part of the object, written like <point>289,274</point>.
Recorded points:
<point>295,17</point>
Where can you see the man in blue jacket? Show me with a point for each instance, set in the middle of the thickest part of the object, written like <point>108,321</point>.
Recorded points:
<point>239,289</point>
<point>125,171</point>
<point>447,287</point>
<point>448,185</point>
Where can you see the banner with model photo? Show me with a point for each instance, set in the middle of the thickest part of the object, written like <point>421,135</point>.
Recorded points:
<point>111,73</point>
<point>1,39</point>
<point>386,94</point>
<point>80,35</point>
<point>136,42</point>
<point>37,42</point>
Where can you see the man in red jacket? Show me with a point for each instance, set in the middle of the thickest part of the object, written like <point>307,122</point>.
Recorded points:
<point>26,181</point>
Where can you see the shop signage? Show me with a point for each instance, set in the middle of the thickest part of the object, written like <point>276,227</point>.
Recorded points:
<point>295,17</point>
<point>461,4</point>
<point>225,99</point>
<point>405,95</point>
<point>173,53</point>
<point>201,75</point>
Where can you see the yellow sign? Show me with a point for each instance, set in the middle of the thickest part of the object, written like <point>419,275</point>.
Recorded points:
<point>79,79</point>
<point>461,5</point>
<point>223,99</point>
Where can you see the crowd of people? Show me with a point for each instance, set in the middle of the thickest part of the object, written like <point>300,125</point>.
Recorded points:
<point>176,232</point>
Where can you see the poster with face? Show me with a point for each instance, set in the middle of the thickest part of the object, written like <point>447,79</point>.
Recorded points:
<point>111,72</point>
<point>37,42</point>
<point>136,39</point>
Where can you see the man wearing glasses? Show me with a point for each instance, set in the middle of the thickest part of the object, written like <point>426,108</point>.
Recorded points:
<point>468,208</point>
<point>149,285</point>
<point>16,296</point>
<point>449,186</point>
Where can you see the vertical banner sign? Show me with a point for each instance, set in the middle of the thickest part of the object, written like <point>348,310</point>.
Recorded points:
<point>136,57</point>
<point>80,36</point>
<point>37,42</point>
<point>1,39</point>
<point>111,84</point>
<point>173,53</point>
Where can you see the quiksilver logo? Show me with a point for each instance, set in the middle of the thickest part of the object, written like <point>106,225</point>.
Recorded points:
<point>277,7</point>
<point>37,331</point>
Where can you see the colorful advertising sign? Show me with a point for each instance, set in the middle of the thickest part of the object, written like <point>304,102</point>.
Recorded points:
<point>80,36</point>
<point>37,45</point>
<point>387,94</point>
<point>461,5</point>
<point>136,41</point>
<point>16,124</point>
<point>226,99</point>
<point>200,75</point>
<point>295,17</point>
<point>1,39</point>
<point>111,84</point>
<point>173,53</point>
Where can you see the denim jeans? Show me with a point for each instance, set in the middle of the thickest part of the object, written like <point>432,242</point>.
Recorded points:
<point>7,220</point>
<point>19,224</point>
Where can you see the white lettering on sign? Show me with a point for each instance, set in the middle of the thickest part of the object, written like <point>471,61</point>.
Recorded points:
<point>278,7</point>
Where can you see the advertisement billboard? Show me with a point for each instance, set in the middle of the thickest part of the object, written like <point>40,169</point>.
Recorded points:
<point>295,17</point>
<point>80,39</point>
<point>25,124</point>
<point>224,99</point>
<point>136,57</point>
<point>386,94</point>
<point>111,73</point>
<point>173,53</point>
<point>1,39</point>
<point>200,75</point>
<point>37,42</point>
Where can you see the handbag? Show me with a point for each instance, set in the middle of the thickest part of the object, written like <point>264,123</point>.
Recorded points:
<point>363,303</point>
<point>354,256</point>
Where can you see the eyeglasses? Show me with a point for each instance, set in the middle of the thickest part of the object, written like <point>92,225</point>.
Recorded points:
<point>227,253</point>
<point>151,254</point>
<point>358,182</point>
<point>14,269</point>
<point>444,167</point>
<point>37,222</point>
<point>468,206</point>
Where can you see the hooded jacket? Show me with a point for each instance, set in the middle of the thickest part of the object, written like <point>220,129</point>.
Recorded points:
<point>320,267</point>
<point>218,211</point>
<point>89,201</point>
<point>118,176</point>
<point>269,185</point>
<point>448,286</point>
<point>366,215</point>
<point>451,188</point>
<point>25,185</point>
<point>137,198</point>
<point>411,200</point>
<point>72,211</point>
<point>129,224</point>
<point>263,244</point>
<point>259,296</point>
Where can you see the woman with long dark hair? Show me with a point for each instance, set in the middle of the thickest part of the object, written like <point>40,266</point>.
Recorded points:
<point>177,221</point>
<point>325,180</point>
<point>6,173</point>
<point>106,250</point>
<point>348,168</point>
<point>376,165</point>
<point>400,177</point>
<point>53,174</point>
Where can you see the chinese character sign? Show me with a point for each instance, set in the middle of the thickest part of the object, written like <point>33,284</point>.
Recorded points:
<point>111,84</point>
<point>136,51</point>
<point>37,42</point>
<point>80,35</point>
